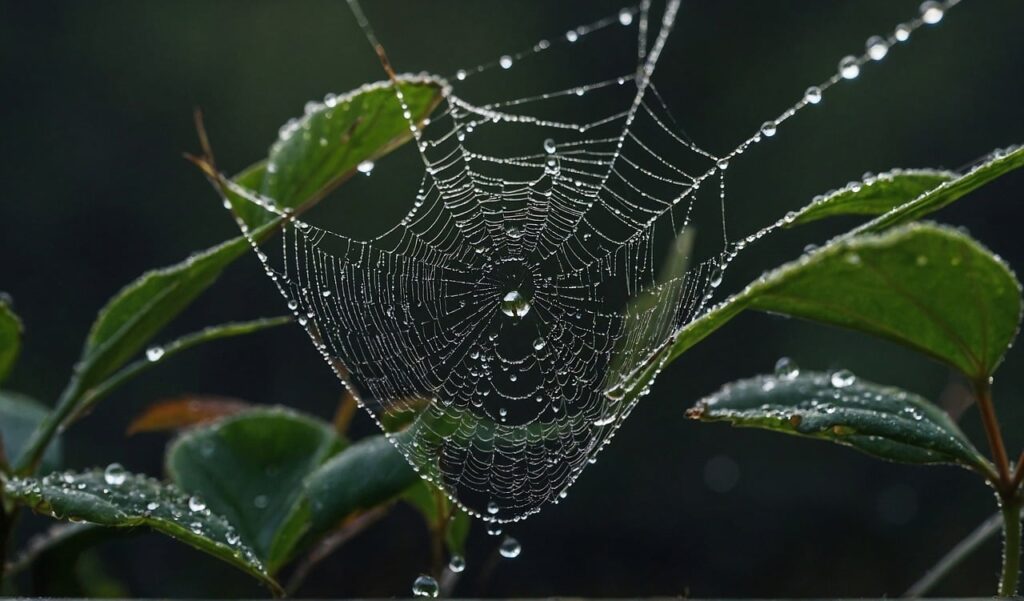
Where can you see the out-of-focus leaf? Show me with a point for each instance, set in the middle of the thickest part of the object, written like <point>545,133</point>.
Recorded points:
<point>323,148</point>
<point>436,508</point>
<point>874,195</point>
<point>185,412</point>
<point>118,499</point>
<point>927,287</point>
<point>996,165</point>
<point>250,468</point>
<point>10,337</point>
<point>879,420</point>
<point>368,473</point>
<point>19,417</point>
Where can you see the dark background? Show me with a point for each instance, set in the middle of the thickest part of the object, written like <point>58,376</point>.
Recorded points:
<point>96,110</point>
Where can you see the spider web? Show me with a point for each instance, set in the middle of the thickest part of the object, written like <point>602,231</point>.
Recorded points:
<point>521,288</point>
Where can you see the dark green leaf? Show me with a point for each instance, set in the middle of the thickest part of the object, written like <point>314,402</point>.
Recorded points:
<point>997,165</point>
<point>19,417</point>
<point>440,512</point>
<point>366,474</point>
<point>118,499</point>
<point>927,287</point>
<point>250,468</point>
<point>10,337</point>
<point>882,421</point>
<point>873,196</point>
<point>322,149</point>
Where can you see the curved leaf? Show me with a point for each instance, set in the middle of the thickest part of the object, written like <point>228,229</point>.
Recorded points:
<point>927,287</point>
<point>879,420</point>
<point>118,499</point>
<point>10,337</point>
<point>250,468</point>
<point>185,412</point>
<point>996,165</point>
<point>368,473</point>
<point>321,150</point>
<point>874,195</point>
<point>19,417</point>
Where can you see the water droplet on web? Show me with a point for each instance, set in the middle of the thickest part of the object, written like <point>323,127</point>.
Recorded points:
<point>571,35</point>
<point>293,304</point>
<point>510,548</point>
<point>931,12</point>
<point>549,146</point>
<point>902,33</point>
<point>539,343</point>
<point>152,506</point>
<point>492,508</point>
<point>768,129</point>
<point>493,529</point>
<point>425,586</point>
<point>115,474</point>
<point>813,95</point>
<point>842,378</point>
<point>325,293</point>
<point>457,564</point>
<point>366,167</point>
<point>505,62</point>
<point>786,369</point>
<point>625,16</point>
<point>196,504</point>
<point>848,67</point>
<point>154,353</point>
<point>460,74</point>
<point>515,304</point>
<point>723,164</point>
<point>513,231</point>
<point>877,47</point>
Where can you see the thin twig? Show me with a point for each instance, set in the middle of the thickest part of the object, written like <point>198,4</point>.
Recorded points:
<point>950,560</point>
<point>331,543</point>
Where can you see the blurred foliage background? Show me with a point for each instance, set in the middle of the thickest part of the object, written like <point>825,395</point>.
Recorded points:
<point>97,110</point>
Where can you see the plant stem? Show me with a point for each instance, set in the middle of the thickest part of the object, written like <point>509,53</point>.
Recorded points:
<point>983,388</point>
<point>43,435</point>
<point>1010,508</point>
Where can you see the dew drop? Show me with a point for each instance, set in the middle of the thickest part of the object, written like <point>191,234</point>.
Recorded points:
<point>515,304</point>
<point>154,353</point>
<point>326,294</point>
<point>571,35</point>
<point>902,33</point>
<point>549,146</point>
<point>931,12</point>
<point>849,68</point>
<point>425,586</point>
<point>492,508</point>
<point>768,129</point>
<point>293,304</point>
<point>152,506</point>
<point>115,474</point>
<point>510,548</point>
<point>460,74</point>
<point>786,369</point>
<point>196,504</point>
<point>539,343</point>
<point>366,167</point>
<point>877,47</point>
<point>457,564</point>
<point>505,62</point>
<point>813,95</point>
<point>842,378</point>
<point>626,16</point>
<point>723,164</point>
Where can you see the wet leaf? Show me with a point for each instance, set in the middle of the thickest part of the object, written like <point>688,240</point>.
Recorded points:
<point>250,468</point>
<point>366,474</point>
<point>873,196</point>
<point>995,166</point>
<point>322,149</point>
<point>927,287</point>
<point>10,337</point>
<point>185,412</point>
<point>879,420</point>
<point>118,499</point>
<point>19,417</point>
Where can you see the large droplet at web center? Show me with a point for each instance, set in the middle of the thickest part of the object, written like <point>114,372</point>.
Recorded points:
<point>506,325</point>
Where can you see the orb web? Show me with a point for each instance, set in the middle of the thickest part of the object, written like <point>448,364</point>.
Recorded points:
<point>502,318</point>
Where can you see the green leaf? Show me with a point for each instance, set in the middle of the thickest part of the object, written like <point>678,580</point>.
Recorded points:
<point>435,507</point>
<point>250,468</point>
<point>874,195</point>
<point>10,337</point>
<point>19,417</point>
<point>118,499</point>
<point>366,474</point>
<point>879,420</point>
<point>997,165</point>
<point>927,287</point>
<point>321,150</point>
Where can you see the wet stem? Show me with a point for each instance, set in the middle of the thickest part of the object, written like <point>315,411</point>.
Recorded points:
<point>1007,486</point>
